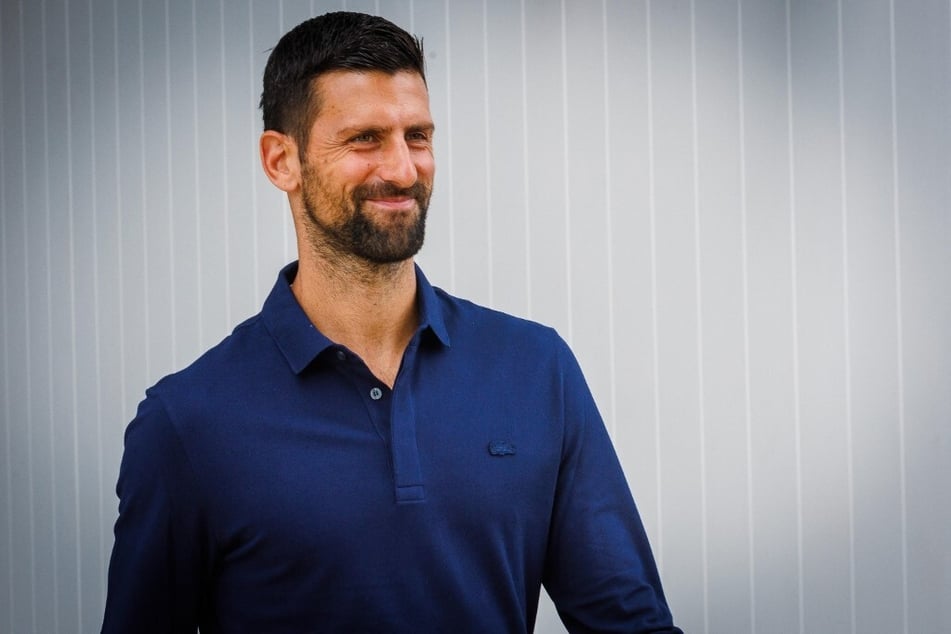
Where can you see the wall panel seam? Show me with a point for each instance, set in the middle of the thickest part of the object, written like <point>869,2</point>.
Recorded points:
<point>655,326</point>
<point>486,112</point>
<point>698,296</point>
<point>609,221</point>
<point>899,326</point>
<point>526,190</point>
<point>846,318</point>
<point>74,394</point>
<point>97,340</point>
<point>744,272</point>
<point>48,280</point>
<point>566,166</point>
<point>794,266</point>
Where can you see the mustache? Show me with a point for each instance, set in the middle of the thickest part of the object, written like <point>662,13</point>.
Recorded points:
<point>418,191</point>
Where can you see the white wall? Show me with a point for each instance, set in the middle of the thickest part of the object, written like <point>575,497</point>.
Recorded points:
<point>738,212</point>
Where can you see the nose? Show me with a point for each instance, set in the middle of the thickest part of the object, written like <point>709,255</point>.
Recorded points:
<point>397,165</point>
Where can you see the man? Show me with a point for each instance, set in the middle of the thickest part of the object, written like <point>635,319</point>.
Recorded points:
<point>370,454</point>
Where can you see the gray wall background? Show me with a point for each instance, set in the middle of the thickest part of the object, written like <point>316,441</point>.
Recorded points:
<point>738,213</point>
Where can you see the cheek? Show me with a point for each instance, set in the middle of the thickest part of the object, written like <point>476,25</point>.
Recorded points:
<point>355,171</point>
<point>343,179</point>
<point>426,167</point>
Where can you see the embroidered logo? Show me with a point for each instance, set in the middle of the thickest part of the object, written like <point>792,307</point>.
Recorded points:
<point>501,448</point>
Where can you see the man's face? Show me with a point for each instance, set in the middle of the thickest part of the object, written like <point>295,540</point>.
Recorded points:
<point>367,173</point>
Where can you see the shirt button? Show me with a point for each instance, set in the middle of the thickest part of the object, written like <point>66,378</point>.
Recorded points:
<point>376,394</point>
<point>341,355</point>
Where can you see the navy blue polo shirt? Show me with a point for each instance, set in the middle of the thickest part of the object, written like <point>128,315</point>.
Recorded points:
<point>276,485</point>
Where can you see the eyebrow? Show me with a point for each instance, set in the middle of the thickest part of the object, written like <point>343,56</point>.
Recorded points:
<point>426,127</point>
<point>357,130</point>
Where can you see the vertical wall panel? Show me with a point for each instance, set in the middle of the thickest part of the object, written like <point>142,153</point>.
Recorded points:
<point>587,191</point>
<point>771,298</point>
<point>632,416</point>
<point>468,102</point>
<point>504,106</point>
<point>737,212</point>
<point>214,221</point>
<point>92,530</point>
<point>676,306</point>
<point>6,474</point>
<point>18,599</point>
<point>173,74</point>
<point>873,276</point>
<point>58,171</point>
<point>270,222</point>
<point>545,145</point>
<point>239,158</point>
<point>115,395</point>
<point>719,241</point>
<point>822,215</point>
<point>922,36</point>
<point>39,329</point>
<point>158,225</point>
<point>132,187</point>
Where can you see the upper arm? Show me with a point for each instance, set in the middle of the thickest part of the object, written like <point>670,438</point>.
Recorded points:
<point>160,560</point>
<point>600,571</point>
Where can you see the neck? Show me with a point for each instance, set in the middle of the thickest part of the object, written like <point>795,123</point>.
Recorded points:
<point>369,308</point>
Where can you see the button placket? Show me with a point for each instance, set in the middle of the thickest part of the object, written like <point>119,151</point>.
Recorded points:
<point>406,463</point>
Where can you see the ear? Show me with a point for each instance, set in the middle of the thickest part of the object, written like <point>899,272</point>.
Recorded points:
<point>280,160</point>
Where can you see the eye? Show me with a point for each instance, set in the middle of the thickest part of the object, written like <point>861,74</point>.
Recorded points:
<point>419,137</point>
<point>364,137</point>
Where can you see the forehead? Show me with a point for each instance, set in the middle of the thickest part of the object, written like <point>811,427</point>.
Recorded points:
<point>372,98</point>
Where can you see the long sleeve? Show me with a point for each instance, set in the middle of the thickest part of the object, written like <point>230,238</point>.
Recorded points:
<point>600,571</point>
<point>160,559</point>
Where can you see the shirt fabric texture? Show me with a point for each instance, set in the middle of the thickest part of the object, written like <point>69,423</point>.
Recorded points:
<point>275,485</point>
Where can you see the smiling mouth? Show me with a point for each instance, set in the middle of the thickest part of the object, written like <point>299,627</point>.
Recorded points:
<point>394,204</point>
<point>387,199</point>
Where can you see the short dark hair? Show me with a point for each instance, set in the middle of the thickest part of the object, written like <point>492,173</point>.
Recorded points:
<point>334,41</point>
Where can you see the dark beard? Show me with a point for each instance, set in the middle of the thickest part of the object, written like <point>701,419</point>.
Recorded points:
<point>357,235</point>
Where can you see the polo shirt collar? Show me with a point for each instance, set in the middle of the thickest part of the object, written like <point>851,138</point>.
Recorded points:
<point>300,342</point>
<point>430,309</point>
